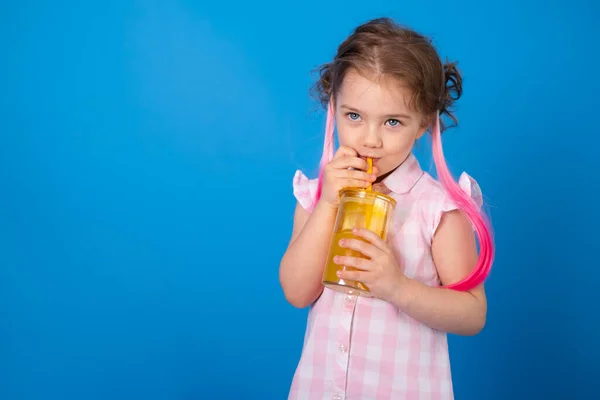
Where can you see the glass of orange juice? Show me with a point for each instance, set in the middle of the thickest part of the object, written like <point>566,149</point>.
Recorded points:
<point>359,208</point>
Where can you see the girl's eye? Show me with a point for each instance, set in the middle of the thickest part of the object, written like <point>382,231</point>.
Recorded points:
<point>394,122</point>
<point>353,116</point>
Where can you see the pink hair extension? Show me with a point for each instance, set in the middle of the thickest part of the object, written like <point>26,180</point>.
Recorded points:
<point>327,147</point>
<point>467,205</point>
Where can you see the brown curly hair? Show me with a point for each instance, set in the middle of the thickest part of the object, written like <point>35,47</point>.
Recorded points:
<point>386,48</point>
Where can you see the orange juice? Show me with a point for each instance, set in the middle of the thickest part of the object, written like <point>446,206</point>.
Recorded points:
<point>359,208</point>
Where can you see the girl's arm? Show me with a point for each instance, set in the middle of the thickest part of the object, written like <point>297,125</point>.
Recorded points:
<point>455,254</point>
<point>301,268</point>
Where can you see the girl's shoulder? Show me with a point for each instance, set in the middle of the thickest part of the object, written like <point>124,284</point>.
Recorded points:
<point>430,188</point>
<point>433,200</point>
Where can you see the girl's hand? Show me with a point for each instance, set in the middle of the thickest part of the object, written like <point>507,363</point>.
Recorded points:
<point>380,272</point>
<point>338,175</point>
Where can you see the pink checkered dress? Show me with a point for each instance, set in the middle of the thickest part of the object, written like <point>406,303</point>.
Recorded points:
<point>358,348</point>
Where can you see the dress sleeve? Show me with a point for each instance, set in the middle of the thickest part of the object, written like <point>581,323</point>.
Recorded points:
<point>305,190</point>
<point>445,203</point>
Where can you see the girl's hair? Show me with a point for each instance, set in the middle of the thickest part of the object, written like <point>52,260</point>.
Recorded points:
<point>385,48</point>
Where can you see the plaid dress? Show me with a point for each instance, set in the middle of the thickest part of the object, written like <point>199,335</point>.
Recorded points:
<point>359,348</point>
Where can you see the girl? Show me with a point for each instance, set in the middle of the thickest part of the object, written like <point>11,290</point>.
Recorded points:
<point>385,88</point>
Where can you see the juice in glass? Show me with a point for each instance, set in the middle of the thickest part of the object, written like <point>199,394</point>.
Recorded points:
<point>359,208</point>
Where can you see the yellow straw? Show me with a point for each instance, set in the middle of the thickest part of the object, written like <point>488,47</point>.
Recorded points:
<point>369,210</point>
<point>370,171</point>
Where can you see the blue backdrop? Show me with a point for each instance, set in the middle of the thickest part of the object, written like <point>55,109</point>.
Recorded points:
<point>146,156</point>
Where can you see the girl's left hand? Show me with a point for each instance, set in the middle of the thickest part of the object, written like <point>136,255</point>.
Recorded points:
<point>380,272</point>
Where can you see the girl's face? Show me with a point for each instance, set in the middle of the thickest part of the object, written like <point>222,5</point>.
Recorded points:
<point>373,118</point>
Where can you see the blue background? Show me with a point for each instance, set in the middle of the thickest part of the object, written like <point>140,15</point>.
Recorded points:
<point>146,156</point>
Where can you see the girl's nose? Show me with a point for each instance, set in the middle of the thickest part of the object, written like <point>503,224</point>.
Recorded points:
<point>372,137</point>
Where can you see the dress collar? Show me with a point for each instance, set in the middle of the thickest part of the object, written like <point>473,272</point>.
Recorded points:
<point>403,178</point>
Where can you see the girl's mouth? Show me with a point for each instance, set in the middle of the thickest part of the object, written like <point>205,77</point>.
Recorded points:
<point>375,159</point>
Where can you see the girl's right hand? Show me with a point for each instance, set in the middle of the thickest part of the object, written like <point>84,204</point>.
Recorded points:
<point>338,175</point>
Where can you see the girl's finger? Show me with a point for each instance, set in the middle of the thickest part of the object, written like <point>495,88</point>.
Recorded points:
<point>344,151</point>
<point>362,247</point>
<point>359,276</point>
<point>346,162</point>
<point>355,174</point>
<point>344,183</point>
<point>372,238</point>
<point>355,262</point>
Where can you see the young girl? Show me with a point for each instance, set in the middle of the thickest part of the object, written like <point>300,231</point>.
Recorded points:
<point>385,88</point>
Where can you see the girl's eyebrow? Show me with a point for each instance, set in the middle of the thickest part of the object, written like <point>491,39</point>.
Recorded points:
<point>392,116</point>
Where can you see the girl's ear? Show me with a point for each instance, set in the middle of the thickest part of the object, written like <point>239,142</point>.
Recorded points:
<point>426,124</point>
